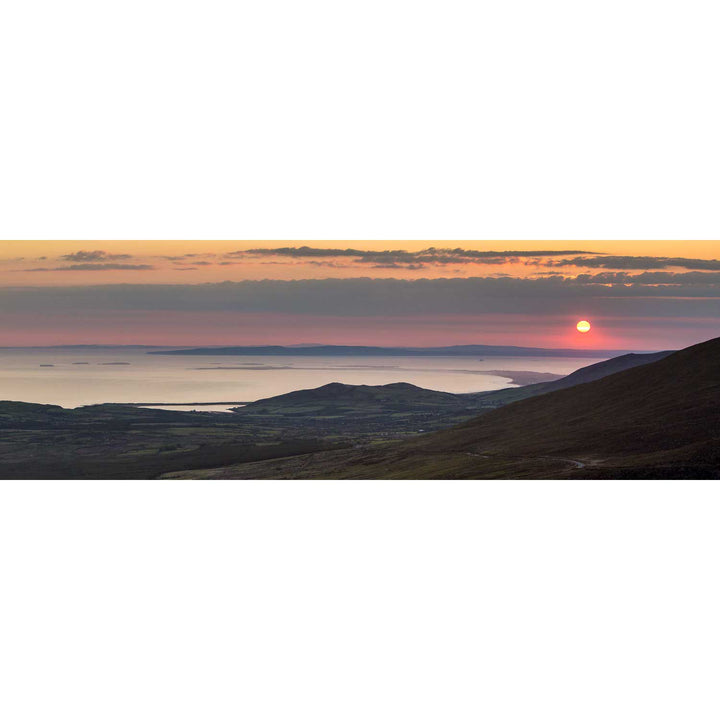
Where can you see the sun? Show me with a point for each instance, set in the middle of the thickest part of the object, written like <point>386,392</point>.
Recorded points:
<point>583,326</point>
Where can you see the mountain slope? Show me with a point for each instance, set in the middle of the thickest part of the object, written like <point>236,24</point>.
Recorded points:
<point>658,420</point>
<point>339,399</point>
<point>498,398</point>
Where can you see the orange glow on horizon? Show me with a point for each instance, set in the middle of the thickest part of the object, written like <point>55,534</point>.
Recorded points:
<point>35,262</point>
<point>499,316</point>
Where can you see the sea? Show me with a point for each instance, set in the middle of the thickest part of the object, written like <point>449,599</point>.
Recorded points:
<point>74,377</point>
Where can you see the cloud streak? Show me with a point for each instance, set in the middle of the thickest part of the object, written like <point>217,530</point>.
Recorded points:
<point>652,278</point>
<point>92,267</point>
<point>631,262</point>
<point>92,256</point>
<point>402,258</point>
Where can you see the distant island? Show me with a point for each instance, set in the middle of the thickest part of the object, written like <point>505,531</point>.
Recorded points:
<point>376,351</point>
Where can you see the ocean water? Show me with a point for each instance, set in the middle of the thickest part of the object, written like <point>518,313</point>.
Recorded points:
<point>75,377</point>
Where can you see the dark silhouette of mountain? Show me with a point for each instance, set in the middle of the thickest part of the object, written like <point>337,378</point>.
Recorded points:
<point>342,350</point>
<point>659,420</point>
<point>340,399</point>
<point>498,398</point>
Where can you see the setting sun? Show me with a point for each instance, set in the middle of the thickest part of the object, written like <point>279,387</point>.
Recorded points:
<point>583,326</point>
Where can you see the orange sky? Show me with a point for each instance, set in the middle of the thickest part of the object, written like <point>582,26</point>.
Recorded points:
<point>64,292</point>
<point>19,260</point>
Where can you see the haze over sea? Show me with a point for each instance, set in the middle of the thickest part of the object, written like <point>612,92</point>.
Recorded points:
<point>72,377</point>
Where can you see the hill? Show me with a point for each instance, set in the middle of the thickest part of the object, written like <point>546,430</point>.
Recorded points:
<point>367,350</point>
<point>427,406</point>
<point>655,420</point>
<point>366,412</point>
<point>497,398</point>
<point>337,399</point>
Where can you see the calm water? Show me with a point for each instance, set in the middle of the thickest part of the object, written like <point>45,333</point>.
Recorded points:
<point>83,377</point>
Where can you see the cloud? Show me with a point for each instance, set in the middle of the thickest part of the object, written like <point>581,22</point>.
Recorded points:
<point>91,256</point>
<point>403,258</point>
<point>652,278</point>
<point>303,251</point>
<point>93,267</point>
<point>441,257</point>
<point>318,263</point>
<point>412,260</point>
<point>652,294</point>
<point>186,255</point>
<point>631,262</point>
<point>394,264</point>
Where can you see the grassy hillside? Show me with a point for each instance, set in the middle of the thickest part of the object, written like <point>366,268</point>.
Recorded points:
<point>115,441</point>
<point>657,420</point>
<point>498,398</point>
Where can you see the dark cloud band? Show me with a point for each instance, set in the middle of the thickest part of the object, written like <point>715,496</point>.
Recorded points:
<point>631,262</point>
<point>660,294</point>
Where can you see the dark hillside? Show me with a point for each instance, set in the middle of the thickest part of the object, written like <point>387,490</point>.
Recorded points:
<point>658,420</point>
<point>498,398</point>
<point>340,399</point>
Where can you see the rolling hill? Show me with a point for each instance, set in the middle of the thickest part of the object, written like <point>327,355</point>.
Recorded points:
<point>337,399</point>
<point>497,398</point>
<point>657,420</point>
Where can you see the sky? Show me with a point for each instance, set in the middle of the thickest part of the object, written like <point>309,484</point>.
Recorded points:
<point>637,295</point>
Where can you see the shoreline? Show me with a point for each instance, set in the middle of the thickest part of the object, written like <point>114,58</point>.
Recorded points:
<point>175,404</point>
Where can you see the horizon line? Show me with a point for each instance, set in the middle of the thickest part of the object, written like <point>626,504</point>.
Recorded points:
<point>320,345</point>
